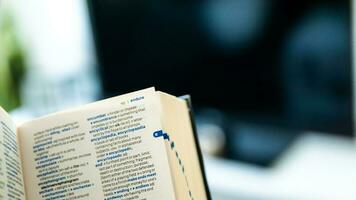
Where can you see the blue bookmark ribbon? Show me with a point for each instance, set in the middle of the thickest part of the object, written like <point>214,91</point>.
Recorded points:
<point>160,133</point>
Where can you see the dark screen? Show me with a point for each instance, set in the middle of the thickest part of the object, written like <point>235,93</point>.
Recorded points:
<point>289,60</point>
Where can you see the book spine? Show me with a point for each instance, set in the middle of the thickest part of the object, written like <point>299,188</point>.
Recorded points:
<point>188,100</point>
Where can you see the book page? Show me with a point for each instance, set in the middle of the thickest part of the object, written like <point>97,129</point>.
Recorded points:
<point>182,151</point>
<point>104,150</point>
<point>11,181</point>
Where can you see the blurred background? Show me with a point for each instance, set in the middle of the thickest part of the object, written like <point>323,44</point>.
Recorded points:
<point>271,81</point>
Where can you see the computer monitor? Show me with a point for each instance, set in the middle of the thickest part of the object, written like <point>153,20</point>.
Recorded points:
<point>353,3</point>
<point>279,62</point>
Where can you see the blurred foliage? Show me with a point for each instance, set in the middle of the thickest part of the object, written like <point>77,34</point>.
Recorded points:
<point>12,63</point>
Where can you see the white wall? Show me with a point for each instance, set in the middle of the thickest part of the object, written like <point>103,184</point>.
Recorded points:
<point>59,44</point>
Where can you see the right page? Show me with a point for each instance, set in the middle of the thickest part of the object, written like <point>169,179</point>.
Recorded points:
<point>104,150</point>
<point>181,149</point>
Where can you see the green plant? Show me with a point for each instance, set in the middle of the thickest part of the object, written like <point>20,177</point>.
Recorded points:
<point>12,63</point>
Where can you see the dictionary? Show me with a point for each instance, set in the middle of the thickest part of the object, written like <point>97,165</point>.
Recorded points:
<point>141,145</point>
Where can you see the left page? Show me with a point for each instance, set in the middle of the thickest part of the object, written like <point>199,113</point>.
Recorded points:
<point>11,180</point>
<point>104,150</point>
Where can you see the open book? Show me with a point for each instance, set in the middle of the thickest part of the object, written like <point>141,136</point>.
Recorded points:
<point>140,145</point>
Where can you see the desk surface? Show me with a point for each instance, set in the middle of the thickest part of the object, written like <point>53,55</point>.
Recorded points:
<point>315,167</point>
